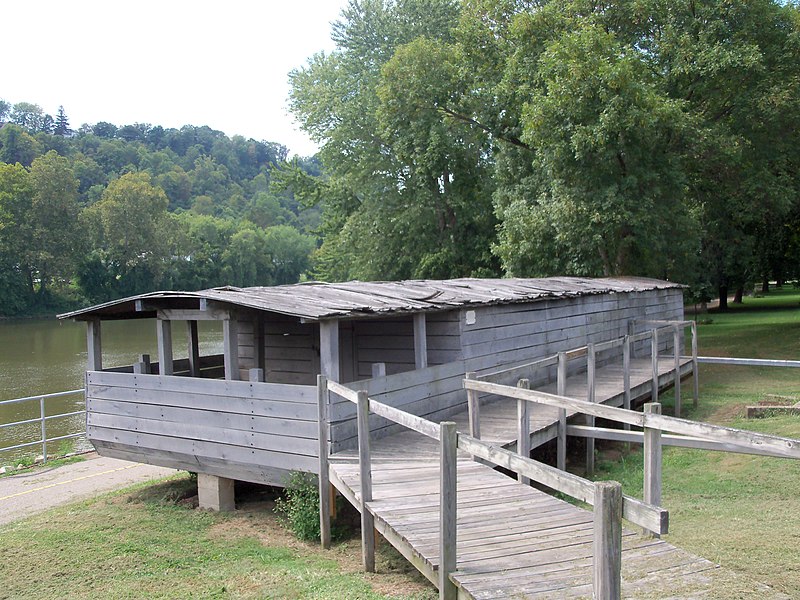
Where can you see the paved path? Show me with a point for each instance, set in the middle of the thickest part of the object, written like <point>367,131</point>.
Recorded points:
<point>31,492</point>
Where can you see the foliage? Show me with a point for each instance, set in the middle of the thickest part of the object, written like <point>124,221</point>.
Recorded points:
<point>299,506</point>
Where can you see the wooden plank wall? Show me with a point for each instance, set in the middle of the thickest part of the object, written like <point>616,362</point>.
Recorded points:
<point>237,429</point>
<point>291,350</point>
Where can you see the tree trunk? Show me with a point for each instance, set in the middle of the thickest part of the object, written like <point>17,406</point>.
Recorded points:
<point>723,298</point>
<point>738,297</point>
<point>765,286</point>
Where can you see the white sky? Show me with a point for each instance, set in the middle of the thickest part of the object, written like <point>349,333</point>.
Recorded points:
<point>168,62</point>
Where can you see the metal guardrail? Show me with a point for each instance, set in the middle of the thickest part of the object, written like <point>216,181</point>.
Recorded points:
<point>42,420</point>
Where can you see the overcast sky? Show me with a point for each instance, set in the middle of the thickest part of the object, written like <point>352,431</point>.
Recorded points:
<point>165,62</point>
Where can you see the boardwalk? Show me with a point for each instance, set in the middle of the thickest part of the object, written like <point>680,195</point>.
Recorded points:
<point>514,541</point>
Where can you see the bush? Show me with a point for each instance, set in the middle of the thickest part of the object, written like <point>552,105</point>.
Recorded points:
<point>299,507</point>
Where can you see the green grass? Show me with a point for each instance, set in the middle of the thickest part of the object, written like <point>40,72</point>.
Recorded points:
<point>29,466</point>
<point>740,511</point>
<point>148,543</point>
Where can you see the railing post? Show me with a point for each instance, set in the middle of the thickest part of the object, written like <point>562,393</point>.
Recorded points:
<point>145,360</point>
<point>324,475</point>
<point>694,365</point>
<point>523,428</point>
<point>590,420</point>
<point>631,333</point>
<point>561,439</point>
<point>378,370</point>
<point>44,429</point>
<point>626,376</point>
<point>607,580</point>
<point>447,509</point>
<point>676,341</point>
<point>474,409</point>
<point>367,520</point>
<point>652,458</point>
<point>256,375</point>
<point>654,363</point>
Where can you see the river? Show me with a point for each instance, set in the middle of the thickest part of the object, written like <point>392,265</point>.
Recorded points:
<point>41,356</point>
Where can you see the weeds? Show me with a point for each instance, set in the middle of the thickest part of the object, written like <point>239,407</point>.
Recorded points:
<point>298,509</point>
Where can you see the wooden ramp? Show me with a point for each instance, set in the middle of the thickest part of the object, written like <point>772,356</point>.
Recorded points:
<point>513,541</point>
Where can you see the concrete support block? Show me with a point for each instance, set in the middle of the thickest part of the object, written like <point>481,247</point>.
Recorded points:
<point>215,493</point>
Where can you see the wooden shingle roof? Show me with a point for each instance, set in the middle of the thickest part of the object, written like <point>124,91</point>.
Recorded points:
<point>316,301</point>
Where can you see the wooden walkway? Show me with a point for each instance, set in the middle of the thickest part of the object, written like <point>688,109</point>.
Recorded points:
<point>514,541</point>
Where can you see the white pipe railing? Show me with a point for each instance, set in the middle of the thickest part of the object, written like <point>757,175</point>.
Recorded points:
<point>42,419</point>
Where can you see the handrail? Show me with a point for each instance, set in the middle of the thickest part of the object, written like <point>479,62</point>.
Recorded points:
<point>748,362</point>
<point>785,447</point>
<point>537,364</point>
<point>42,419</point>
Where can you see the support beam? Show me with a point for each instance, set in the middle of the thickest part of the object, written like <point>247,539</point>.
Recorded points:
<point>473,409</point>
<point>561,434</point>
<point>193,342</point>
<point>607,579</point>
<point>329,350</point>
<point>164,335</point>
<point>652,459</point>
<point>259,360</point>
<point>591,363</point>
<point>654,365</point>
<point>523,428</point>
<point>695,379</point>
<point>325,500</point>
<point>448,457</point>
<point>365,471</point>
<point>420,341</point>
<point>626,376</point>
<point>230,343</point>
<point>94,346</point>
<point>676,341</point>
<point>215,493</point>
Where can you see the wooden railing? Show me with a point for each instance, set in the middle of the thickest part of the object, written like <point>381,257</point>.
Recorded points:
<point>610,505</point>
<point>691,434</point>
<point>527,372</point>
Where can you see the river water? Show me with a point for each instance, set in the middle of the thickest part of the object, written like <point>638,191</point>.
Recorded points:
<point>41,356</point>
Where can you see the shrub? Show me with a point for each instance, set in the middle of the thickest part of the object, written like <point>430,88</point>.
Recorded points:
<point>298,508</point>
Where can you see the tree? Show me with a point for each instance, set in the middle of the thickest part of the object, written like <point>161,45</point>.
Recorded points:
<point>56,239</point>
<point>290,252</point>
<point>16,280</point>
<point>30,116</point>
<point>5,110</point>
<point>17,145</point>
<point>61,126</point>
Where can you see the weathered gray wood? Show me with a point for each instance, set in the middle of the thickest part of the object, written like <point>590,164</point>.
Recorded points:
<point>523,429</point>
<point>139,368</point>
<point>654,362</point>
<point>653,518</point>
<point>474,409</point>
<point>676,341</point>
<point>561,436</point>
<point>256,375</point>
<point>631,334</point>
<point>147,366</point>
<point>607,580</point>
<point>324,479</point>
<point>591,363</point>
<point>786,447</point>
<point>448,458</point>
<point>365,474</point>
<point>164,337</point>
<point>378,370</point>
<point>193,342</point>
<point>748,362</point>
<point>230,343</point>
<point>420,341</point>
<point>180,314</point>
<point>626,375</point>
<point>695,378</point>
<point>259,351</point>
<point>329,350</point>
<point>94,345</point>
<point>652,459</point>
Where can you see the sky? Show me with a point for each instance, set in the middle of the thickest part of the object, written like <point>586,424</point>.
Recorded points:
<point>167,62</point>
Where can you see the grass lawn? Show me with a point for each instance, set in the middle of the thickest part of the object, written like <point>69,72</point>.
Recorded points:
<point>150,543</point>
<point>740,511</point>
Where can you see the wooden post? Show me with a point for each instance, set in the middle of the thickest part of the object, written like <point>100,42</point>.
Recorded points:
<point>694,365</point>
<point>259,360</point>
<point>590,420</point>
<point>324,475</point>
<point>329,350</point>
<point>654,363</point>
<point>193,342</point>
<point>94,346</point>
<point>420,341</point>
<point>365,470</point>
<point>626,376</point>
<point>256,375</point>
<point>230,335</point>
<point>652,459</point>
<point>631,333</point>
<point>447,509</point>
<point>164,334</point>
<point>607,580</point>
<point>523,428</point>
<point>378,370</point>
<point>676,341</point>
<point>146,366</point>
<point>561,433</point>
<point>474,409</point>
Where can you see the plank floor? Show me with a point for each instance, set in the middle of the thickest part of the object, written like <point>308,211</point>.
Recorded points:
<point>514,541</point>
